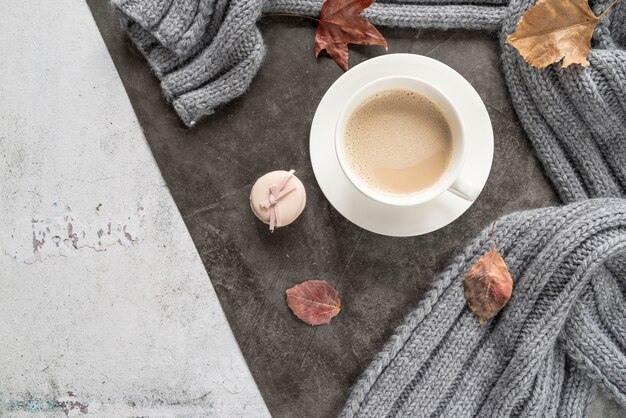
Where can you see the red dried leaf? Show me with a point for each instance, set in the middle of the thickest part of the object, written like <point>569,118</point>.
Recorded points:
<point>315,302</point>
<point>488,286</point>
<point>341,24</point>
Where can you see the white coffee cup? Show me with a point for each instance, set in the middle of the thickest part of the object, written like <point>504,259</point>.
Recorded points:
<point>450,180</point>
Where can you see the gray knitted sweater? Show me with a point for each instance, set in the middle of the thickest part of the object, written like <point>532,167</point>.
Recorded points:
<point>565,326</point>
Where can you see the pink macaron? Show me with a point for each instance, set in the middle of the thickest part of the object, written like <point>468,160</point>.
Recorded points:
<point>278,198</point>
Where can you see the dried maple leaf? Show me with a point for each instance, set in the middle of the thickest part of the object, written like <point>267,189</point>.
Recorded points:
<point>315,302</point>
<point>488,285</point>
<point>341,24</point>
<point>552,30</point>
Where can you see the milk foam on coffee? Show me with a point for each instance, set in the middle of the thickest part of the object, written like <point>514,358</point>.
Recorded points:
<point>398,142</point>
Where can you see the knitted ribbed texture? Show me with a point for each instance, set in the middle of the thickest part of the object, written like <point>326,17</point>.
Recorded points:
<point>575,118</point>
<point>436,14</point>
<point>206,52</point>
<point>565,326</point>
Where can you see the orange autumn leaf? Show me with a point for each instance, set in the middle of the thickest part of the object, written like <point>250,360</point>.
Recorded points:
<point>488,284</point>
<point>341,24</point>
<point>552,30</point>
<point>315,302</point>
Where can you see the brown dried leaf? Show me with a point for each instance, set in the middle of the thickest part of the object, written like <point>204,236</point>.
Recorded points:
<point>341,24</point>
<point>552,30</point>
<point>488,286</point>
<point>315,302</point>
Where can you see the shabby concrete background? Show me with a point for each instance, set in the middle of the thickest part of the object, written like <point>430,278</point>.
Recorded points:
<point>105,306</point>
<point>304,371</point>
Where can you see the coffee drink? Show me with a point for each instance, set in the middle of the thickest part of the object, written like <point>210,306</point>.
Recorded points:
<point>398,142</point>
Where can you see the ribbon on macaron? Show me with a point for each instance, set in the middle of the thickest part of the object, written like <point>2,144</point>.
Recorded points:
<point>277,192</point>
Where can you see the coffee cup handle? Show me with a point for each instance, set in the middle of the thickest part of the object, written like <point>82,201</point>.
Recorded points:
<point>464,189</point>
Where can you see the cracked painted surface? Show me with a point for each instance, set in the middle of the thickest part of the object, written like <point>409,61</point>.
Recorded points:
<point>106,307</point>
<point>61,233</point>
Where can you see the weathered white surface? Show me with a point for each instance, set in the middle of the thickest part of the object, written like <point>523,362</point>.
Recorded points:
<point>104,301</point>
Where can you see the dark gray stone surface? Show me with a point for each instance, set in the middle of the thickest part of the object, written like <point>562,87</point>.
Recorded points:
<point>304,371</point>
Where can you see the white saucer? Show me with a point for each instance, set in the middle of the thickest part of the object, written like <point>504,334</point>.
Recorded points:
<point>370,214</point>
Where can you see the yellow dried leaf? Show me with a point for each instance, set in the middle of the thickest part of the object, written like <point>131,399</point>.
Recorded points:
<point>552,30</point>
